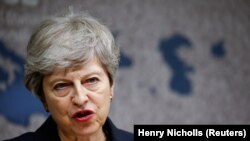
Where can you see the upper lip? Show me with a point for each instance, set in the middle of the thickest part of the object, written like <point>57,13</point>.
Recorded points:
<point>82,113</point>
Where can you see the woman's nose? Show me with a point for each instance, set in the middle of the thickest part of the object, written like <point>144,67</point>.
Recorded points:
<point>80,96</point>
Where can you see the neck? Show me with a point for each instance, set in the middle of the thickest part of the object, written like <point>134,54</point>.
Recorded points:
<point>98,136</point>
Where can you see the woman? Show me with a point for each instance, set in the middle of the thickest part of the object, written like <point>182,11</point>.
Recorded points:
<point>71,67</point>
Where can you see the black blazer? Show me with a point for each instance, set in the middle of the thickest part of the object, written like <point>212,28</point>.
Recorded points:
<point>48,132</point>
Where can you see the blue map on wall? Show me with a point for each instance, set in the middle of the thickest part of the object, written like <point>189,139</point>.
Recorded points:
<point>218,49</point>
<point>16,103</point>
<point>168,49</point>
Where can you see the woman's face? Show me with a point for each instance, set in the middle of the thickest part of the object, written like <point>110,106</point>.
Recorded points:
<point>78,99</point>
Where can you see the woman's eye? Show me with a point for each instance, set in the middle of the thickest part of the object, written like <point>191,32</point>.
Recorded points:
<point>60,86</point>
<point>92,80</point>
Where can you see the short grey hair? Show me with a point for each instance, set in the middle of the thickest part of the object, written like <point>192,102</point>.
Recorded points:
<point>65,42</point>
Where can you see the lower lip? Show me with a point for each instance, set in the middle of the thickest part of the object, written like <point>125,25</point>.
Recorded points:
<point>85,118</point>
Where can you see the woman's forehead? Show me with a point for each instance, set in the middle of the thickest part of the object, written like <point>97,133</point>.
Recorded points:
<point>92,66</point>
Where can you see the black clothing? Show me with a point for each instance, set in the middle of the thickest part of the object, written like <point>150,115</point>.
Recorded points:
<point>48,132</point>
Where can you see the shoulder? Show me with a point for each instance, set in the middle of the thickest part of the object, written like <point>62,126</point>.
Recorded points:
<point>24,137</point>
<point>47,131</point>
<point>124,135</point>
<point>116,134</point>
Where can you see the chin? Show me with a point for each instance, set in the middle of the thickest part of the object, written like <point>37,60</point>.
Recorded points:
<point>92,129</point>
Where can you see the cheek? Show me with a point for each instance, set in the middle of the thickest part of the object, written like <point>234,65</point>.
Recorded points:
<point>101,98</point>
<point>104,106</point>
<point>58,105</point>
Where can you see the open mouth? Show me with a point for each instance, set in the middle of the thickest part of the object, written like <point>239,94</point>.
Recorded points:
<point>83,115</point>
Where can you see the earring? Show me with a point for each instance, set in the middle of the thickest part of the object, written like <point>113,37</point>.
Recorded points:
<point>111,98</point>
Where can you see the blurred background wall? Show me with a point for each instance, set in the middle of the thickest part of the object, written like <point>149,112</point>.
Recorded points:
<point>183,62</point>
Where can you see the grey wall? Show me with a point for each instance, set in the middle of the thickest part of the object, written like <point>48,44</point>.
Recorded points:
<point>183,62</point>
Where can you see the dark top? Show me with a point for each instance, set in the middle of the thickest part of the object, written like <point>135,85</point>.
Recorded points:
<point>48,132</point>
